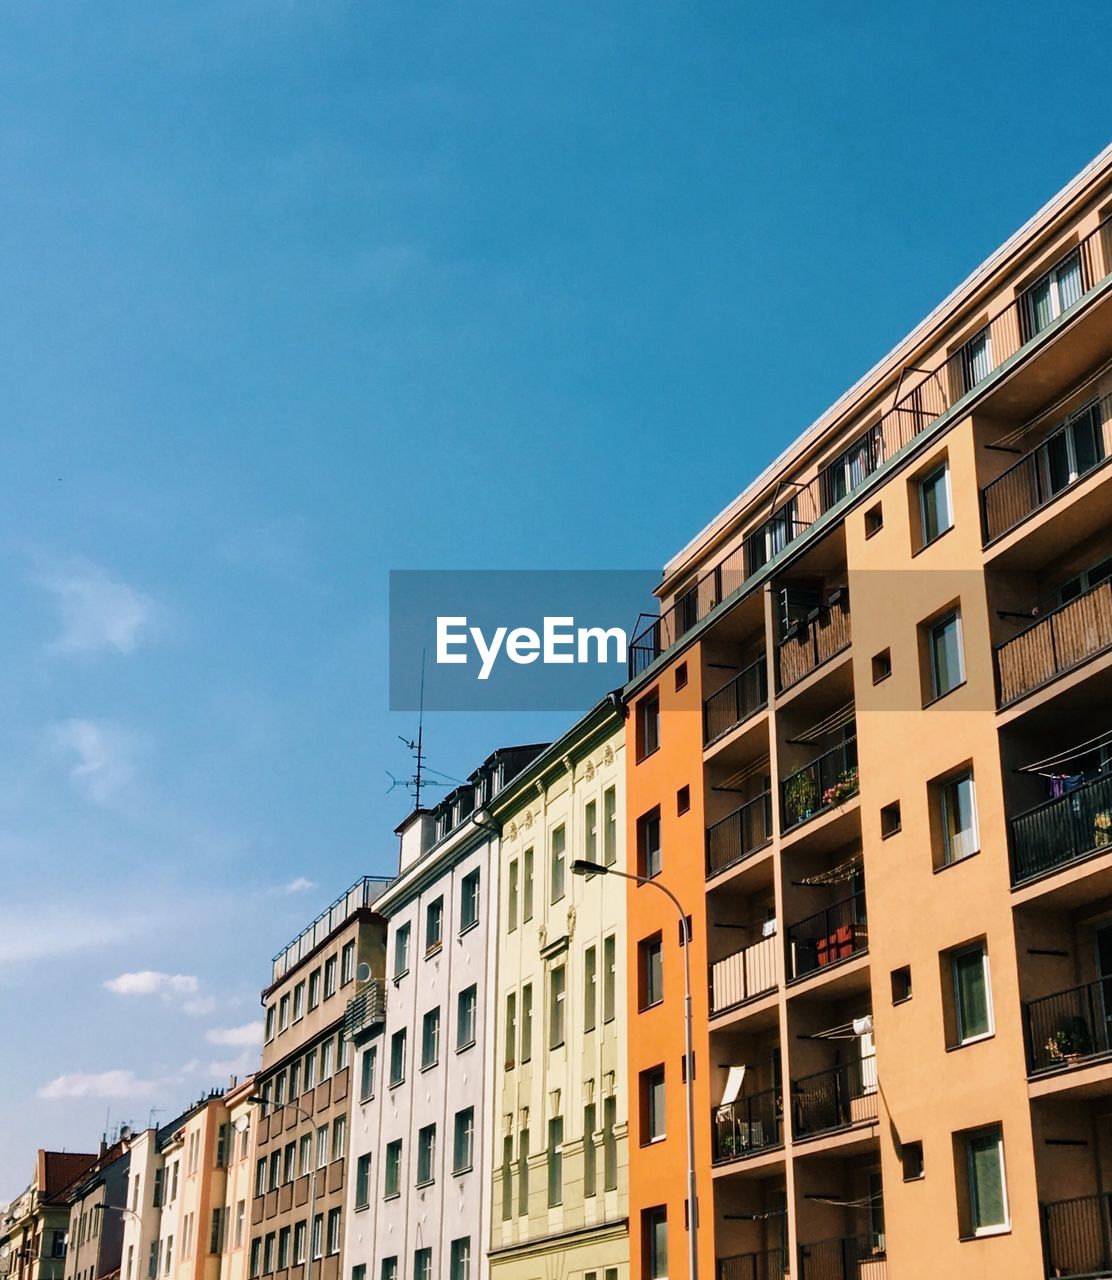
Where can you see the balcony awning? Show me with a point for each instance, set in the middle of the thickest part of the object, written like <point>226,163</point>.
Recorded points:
<point>734,1081</point>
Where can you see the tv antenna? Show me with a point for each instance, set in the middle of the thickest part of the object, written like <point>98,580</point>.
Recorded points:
<point>417,781</point>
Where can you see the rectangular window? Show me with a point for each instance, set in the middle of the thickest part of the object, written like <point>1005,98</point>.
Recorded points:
<point>461,1259</point>
<point>314,989</point>
<point>322,1146</point>
<point>289,1162</point>
<point>275,1170</point>
<point>972,994</point>
<point>367,1074</point>
<point>392,1181</point>
<point>311,1069</point>
<point>339,1137</point>
<point>507,1177</point>
<point>651,969</point>
<point>463,1140</point>
<point>434,926</point>
<point>327,1052</point>
<point>255,1268</point>
<point>241,1218</point>
<point>511,898</point>
<point>523,1172</point>
<point>401,951</point>
<point>947,665</point>
<point>652,1104</point>
<point>511,1030</point>
<point>590,830</point>
<point>609,977</point>
<point>426,1154</point>
<point>590,988</point>
<point>422,1264</point>
<point>260,1179</point>
<point>363,1181</point>
<point>333,1231</point>
<point>390,1268</point>
<point>330,977</point>
<point>976,359</point>
<point>304,1154</point>
<point>1052,294</point>
<point>465,1018</point>
<point>430,1039</point>
<point>557,988</point>
<point>559,863</point>
<point>648,725</point>
<point>295,1080</point>
<point>988,1196</point>
<point>469,900</point>
<point>649,860</point>
<point>555,1161</point>
<point>654,1231</point>
<point>269,1033</point>
<point>959,818</point>
<point>283,1013</point>
<point>609,827</point>
<point>610,1143</point>
<point>935,509</point>
<point>283,1248</point>
<point>590,1154</point>
<point>527,1022</point>
<point>347,963</point>
<point>527,885</point>
<point>299,1232</point>
<point>397,1057</point>
<point>316,1237</point>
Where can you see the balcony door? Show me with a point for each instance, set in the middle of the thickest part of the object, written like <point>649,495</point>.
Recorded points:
<point>1074,450</point>
<point>1102,1035</point>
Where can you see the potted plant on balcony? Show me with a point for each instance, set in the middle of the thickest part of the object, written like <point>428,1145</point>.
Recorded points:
<point>841,791</point>
<point>1070,1042</point>
<point>1102,828</point>
<point>800,795</point>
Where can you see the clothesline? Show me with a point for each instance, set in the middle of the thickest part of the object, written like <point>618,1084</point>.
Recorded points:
<point>1064,757</point>
<point>841,874</point>
<point>836,720</point>
<point>1050,411</point>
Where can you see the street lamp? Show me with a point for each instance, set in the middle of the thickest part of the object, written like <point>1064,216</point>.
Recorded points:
<point>581,867</point>
<point>259,1100</point>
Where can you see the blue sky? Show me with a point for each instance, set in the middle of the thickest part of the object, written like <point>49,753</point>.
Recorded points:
<point>298,293</point>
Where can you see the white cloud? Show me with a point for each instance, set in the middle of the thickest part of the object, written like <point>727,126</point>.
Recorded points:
<point>148,982</point>
<point>42,933</point>
<point>105,1084</point>
<point>251,1033</point>
<point>243,1066</point>
<point>298,885</point>
<point>102,756</point>
<point>96,612</point>
<point>197,1008</point>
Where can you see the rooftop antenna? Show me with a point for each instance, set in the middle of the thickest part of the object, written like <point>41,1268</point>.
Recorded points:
<point>154,1111</point>
<point>417,782</point>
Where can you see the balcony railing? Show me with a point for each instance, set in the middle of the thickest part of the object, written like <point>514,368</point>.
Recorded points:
<point>1077,1236</point>
<point>832,934</point>
<point>734,703</point>
<point>916,409</point>
<point>361,894</point>
<point>828,780</point>
<point>1063,830</point>
<point>850,1258</point>
<point>365,1010</point>
<point>815,640</point>
<point>772,1264</point>
<point>835,1099</point>
<point>749,1125</point>
<point>746,974</point>
<point>1061,461</point>
<point>1064,639</point>
<point>739,834</point>
<point>1069,1026</point>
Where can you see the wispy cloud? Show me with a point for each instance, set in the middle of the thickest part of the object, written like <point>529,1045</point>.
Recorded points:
<point>300,884</point>
<point>101,756</point>
<point>47,932</point>
<point>250,1033</point>
<point>96,612</point>
<point>103,1084</point>
<point>180,989</point>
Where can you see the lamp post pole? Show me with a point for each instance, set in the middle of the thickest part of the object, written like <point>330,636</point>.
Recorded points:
<point>582,867</point>
<point>262,1102</point>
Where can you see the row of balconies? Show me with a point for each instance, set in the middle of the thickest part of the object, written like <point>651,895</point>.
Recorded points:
<point>860,1257</point>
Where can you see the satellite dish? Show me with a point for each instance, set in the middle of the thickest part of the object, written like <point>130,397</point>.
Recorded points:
<point>363,972</point>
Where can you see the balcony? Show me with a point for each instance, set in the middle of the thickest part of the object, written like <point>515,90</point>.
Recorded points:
<point>814,640</point>
<point>748,1126</point>
<point>734,703</point>
<point>772,1264</point>
<point>1069,1027</point>
<point>848,1258</point>
<point>1068,636</point>
<point>1077,1236</point>
<point>832,934</point>
<point>739,835</point>
<point>829,780</point>
<point>743,976</point>
<point>361,894</point>
<point>835,1099</point>
<point>1063,830</point>
<point>365,1011</point>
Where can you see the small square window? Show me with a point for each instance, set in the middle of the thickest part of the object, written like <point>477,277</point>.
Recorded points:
<point>882,665</point>
<point>911,1156</point>
<point>874,520</point>
<point>681,676</point>
<point>901,984</point>
<point>683,800</point>
<point>890,819</point>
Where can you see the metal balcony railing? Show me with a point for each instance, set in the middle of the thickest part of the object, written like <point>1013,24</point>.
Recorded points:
<point>832,934</point>
<point>749,1125</point>
<point>828,780</point>
<point>361,894</point>
<point>365,1010</point>
<point>744,975</point>
<point>821,636</point>
<point>1069,1026</point>
<point>739,834</point>
<point>935,392</point>
<point>1063,830</point>
<point>1077,1236</point>
<point>849,1258</point>
<point>770,1264</point>
<point>1063,639</point>
<point>1073,451</point>
<point>836,1098</point>
<point>734,703</point>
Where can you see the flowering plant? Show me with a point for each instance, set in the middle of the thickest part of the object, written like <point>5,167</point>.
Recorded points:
<point>845,787</point>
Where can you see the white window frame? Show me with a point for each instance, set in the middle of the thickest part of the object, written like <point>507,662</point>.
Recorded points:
<point>955,956</point>
<point>1000,1228</point>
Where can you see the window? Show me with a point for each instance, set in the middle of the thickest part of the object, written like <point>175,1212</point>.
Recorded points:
<point>295,1080</point>
<point>314,989</point>
<point>463,1140</point>
<point>555,1161</point>
<point>322,1146</point>
<point>401,951</point>
<point>911,1158</point>
<point>327,1050</point>
<point>334,1231</point>
<point>304,1154</point>
<point>330,977</point>
<point>469,900</point>
<point>609,977</point>
<point>935,513</point>
<point>426,1154</point>
<point>511,898</point>
<point>434,926</point>
<point>392,1182</point>
<point>648,843</point>
<point>260,1180</point>
<point>283,1248</point>
<point>1052,294</point>
<point>359,1271</point>
<point>683,800</point>
<point>461,1259</point>
<point>283,1013</point>
<point>279,1101</point>
<point>269,1251</point>
<point>976,359</point>
<point>367,1074</point>
<point>397,1057</point>
<point>947,667</point>
<point>959,818</point>
<point>316,1237</point>
<point>654,1232</point>
<point>507,1177</point>
<point>465,1018</point>
<point>511,1029</point>
<point>289,1162</point>
<point>652,1104</point>
<point>527,885</point>
<point>557,990</point>
<point>256,1257</point>
<point>681,676</point>
<point>241,1219</point>
<point>901,984</point>
<point>299,1230</point>
<point>422,1264</point>
<point>363,1181</point>
<point>343,1051</point>
<point>987,1209</point>
<point>648,725</point>
<point>347,963</point>
<point>310,1069</point>
<point>559,863</point>
<point>882,665</point>
<point>770,538</point>
<point>523,1172</point>
<point>609,827</point>
<point>270,1024</point>
<point>874,520</point>
<point>339,1137</point>
<point>590,988</point>
<point>275,1169</point>
<point>527,1022</point>
<point>890,819</point>
<point>972,994</point>
<point>1074,450</point>
<point>430,1039</point>
<point>651,971</point>
<point>390,1268</point>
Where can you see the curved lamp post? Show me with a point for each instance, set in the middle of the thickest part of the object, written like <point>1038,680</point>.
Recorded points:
<point>259,1100</point>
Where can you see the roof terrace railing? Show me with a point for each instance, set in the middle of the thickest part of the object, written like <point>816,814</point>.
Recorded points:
<point>361,894</point>
<point>1067,282</point>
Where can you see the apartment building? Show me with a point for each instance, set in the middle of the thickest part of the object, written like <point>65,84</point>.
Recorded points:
<point>304,1089</point>
<point>870,751</point>
<point>419,1201</point>
<point>558,1123</point>
<point>35,1225</point>
<point>94,1244</point>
